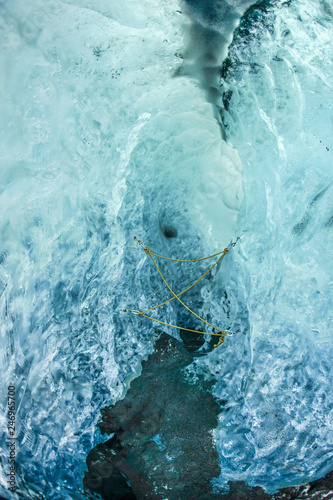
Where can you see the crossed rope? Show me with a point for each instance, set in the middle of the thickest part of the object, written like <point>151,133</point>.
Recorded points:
<point>223,333</point>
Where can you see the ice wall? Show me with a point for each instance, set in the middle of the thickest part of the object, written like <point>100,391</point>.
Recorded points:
<point>99,142</point>
<point>275,383</point>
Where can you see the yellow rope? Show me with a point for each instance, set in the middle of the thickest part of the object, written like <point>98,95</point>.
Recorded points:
<point>223,333</point>
<point>175,260</point>
<point>220,335</point>
<point>179,327</point>
<point>197,281</point>
<point>179,260</point>
<point>176,296</point>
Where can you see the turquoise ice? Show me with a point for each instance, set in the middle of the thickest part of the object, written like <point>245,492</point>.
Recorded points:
<point>100,140</point>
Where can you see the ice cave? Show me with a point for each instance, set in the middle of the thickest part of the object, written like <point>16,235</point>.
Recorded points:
<point>195,126</point>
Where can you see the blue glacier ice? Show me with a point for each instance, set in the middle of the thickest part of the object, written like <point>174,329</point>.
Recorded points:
<point>106,133</point>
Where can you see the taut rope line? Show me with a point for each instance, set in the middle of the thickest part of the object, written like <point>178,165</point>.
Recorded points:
<point>223,333</point>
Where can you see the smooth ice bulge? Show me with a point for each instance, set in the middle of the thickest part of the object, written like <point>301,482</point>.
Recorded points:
<point>189,177</point>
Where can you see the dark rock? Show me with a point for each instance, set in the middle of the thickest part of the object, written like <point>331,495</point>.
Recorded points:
<point>164,443</point>
<point>105,477</point>
<point>193,341</point>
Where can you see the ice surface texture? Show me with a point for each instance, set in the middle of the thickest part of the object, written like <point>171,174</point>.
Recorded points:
<point>277,427</point>
<point>100,142</point>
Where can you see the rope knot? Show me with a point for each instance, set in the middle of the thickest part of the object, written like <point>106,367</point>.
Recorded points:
<point>147,250</point>
<point>221,339</point>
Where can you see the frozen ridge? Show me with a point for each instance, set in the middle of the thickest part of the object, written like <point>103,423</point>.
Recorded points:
<point>276,427</point>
